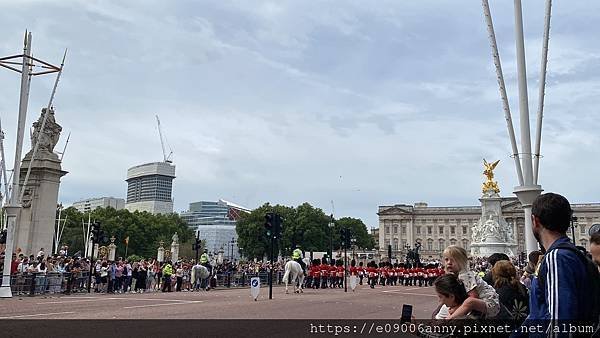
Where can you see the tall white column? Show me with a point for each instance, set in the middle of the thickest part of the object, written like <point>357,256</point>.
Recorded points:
<point>527,192</point>
<point>13,209</point>
<point>11,212</point>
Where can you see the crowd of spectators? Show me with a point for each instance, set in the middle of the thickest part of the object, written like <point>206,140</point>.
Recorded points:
<point>62,273</point>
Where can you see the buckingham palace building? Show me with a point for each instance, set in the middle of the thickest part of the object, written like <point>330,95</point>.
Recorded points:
<point>401,225</point>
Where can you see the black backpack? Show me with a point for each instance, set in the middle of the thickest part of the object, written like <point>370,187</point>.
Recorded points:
<point>591,308</point>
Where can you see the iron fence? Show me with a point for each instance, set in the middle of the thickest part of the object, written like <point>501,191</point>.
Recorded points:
<point>31,284</point>
<point>48,283</point>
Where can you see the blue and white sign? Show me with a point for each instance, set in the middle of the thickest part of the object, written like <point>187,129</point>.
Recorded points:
<point>255,287</point>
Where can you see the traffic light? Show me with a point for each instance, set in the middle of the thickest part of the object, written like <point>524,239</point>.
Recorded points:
<point>269,220</point>
<point>96,232</point>
<point>276,225</point>
<point>197,244</point>
<point>3,236</point>
<point>345,238</point>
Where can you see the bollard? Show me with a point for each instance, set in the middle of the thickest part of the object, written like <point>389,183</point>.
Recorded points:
<point>32,290</point>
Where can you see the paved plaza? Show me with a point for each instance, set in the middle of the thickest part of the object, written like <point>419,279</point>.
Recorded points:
<point>365,303</point>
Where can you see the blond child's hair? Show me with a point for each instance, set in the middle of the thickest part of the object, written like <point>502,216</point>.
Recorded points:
<point>459,255</point>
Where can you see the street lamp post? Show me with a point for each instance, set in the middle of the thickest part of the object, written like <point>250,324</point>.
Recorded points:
<point>331,226</point>
<point>232,243</point>
<point>573,226</point>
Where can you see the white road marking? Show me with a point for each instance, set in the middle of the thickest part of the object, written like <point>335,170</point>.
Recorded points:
<point>410,293</point>
<point>38,314</point>
<point>69,301</point>
<point>112,298</point>
<point>153,305</point>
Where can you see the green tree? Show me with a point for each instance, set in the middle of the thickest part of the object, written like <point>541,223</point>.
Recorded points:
<point>307,229</point>
<point>143,229</point>
<point>305,226</point>
<point>359,232</point>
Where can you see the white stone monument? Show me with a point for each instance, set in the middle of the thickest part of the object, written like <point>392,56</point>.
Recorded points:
<point>220,256</point>
<point>36,222</point>
<point>112,249</point>
<point>160,255</point>
<point>491,233</point>
<point>175,248</point>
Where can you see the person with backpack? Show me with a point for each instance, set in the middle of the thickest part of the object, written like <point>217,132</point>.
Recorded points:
<point>565,287</point>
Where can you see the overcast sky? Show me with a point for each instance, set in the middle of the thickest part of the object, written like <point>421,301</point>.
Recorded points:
<point>356,102</point>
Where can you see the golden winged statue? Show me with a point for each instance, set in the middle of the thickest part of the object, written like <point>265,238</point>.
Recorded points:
<point>490,184</point>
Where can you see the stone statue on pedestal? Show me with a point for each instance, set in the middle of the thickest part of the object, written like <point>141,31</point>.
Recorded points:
<point>40,194</point>
<point>51,133</point>
<point>175,248</point>
<point>491,233</point>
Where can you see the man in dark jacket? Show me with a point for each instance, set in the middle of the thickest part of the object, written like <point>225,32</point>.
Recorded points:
<point>559,289</point>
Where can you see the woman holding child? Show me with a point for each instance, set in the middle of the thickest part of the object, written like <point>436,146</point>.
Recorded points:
<point>481,301</point>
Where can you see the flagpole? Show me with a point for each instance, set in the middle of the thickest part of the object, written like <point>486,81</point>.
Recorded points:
<point>126,246</point>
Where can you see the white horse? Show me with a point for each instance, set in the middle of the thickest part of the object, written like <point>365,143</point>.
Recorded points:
<point>293,268</point>
<point>200,275</point>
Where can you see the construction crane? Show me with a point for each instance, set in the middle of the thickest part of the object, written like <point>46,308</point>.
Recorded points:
<point>166,158</point>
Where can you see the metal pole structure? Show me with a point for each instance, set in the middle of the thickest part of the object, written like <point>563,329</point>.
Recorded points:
<point>23,102</point>
<point>61,232</point>
<point>502,85</point>
<point>89,286</point>
<point>345,268</point>
<point>528,189</point>
<point>272,266</point>
<point>331,225</point>
<point>541,93</point>
<point>197,245</point>
<point>57,231</point>
<point>527,192</point>
<point>13,209</point>
<point>37,141</point>
<point>3,173</point>
<point>523,99</point>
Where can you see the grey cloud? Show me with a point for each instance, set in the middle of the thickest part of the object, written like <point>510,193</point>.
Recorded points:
<point>271,101</point>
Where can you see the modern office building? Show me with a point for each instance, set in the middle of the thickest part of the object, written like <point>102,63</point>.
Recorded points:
<point>216,222</point>
<point>150,187</point>
<point>100,202</point>
<point>435,228</point>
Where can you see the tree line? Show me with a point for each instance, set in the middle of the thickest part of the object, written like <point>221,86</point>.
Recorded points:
<point>143,230</point>
<point>305,227</point>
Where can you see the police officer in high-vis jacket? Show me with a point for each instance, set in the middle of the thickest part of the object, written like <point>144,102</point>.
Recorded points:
<point>297,256</point>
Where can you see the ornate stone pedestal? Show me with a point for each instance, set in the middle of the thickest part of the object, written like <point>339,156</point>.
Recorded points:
<point>35,225</point>
<point>491,234</point>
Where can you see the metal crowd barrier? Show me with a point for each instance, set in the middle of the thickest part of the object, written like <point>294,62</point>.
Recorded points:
<point>48,283</point>
<point>31,284</point>
<point>242,279</point>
